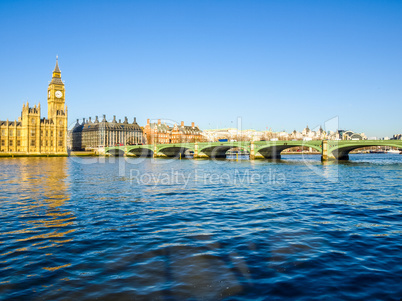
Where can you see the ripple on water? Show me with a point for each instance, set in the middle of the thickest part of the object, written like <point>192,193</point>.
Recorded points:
<point>84,231</point>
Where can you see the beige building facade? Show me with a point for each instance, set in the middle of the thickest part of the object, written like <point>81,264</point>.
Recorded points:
<point>31,134</point>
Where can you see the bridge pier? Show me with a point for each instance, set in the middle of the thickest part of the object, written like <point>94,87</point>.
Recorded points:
<point>195,150</point>
<point>155,151</point>
<point>324,154</point>
<point>334,155</point>
<point>252,151</point>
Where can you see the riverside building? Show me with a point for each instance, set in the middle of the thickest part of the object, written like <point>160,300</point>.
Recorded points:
<point>161,133</point>
<point>31,134</point>
<point>94,134</point>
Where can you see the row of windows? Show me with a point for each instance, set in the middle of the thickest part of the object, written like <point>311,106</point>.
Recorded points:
<point>33,132</point>
<point>32,143</point>
<point>46,133</point>
<point>51,133</point>
<point>4,150</point>
<point>11,133</point>
<point>46,143</point>
<point>10,143</point>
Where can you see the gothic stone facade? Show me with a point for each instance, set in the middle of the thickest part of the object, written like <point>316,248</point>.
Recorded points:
<point>32,134</point>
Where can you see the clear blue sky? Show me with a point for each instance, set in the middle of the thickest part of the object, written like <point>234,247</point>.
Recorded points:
<point>277,64</point>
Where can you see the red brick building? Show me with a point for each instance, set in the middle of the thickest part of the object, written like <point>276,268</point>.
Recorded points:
<point>161,133</point>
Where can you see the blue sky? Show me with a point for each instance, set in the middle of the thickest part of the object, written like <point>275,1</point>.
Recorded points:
<point>276,64</point>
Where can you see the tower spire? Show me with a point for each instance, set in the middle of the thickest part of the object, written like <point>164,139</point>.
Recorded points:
<point>56,78</point>
<point>56,68</point>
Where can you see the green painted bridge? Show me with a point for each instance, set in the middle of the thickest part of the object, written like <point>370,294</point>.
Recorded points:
<point>329,149</point>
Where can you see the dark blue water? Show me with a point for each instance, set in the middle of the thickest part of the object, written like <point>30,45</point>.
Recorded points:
<point>85,228</point>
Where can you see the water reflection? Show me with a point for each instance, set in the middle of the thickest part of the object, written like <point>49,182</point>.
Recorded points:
<point>34,218</point>
<point>45,182</point>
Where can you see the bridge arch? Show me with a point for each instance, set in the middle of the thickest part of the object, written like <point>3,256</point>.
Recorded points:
<point>138,151</point>
<point>175,151</point>
<point>116,152</point>
<point>274,151</point>
<point>219,151</point>
<point>339,150</point>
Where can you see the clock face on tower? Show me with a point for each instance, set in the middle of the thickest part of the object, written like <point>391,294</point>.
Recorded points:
<point>58,94</point>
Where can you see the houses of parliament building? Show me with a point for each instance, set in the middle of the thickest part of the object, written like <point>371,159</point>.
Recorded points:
<point>31,134</point>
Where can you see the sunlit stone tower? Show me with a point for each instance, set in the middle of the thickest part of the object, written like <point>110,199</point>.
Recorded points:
<point>31,134</point>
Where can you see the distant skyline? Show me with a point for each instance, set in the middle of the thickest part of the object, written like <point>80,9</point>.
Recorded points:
<point>276,64</point>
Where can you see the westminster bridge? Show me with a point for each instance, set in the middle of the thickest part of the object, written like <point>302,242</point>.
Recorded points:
<point>329,149</point>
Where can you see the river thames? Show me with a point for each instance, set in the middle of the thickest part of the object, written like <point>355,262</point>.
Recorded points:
<point>159,229</point>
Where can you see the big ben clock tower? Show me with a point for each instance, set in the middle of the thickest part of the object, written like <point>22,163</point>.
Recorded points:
<point>57,111</point>
<point>55,93</point>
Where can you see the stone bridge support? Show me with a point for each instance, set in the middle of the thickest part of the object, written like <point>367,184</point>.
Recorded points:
<point>195,150</point>
<point>155,154</point>
<point>324,155</point>
<point>252,151</point>
<point>336,154</point>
